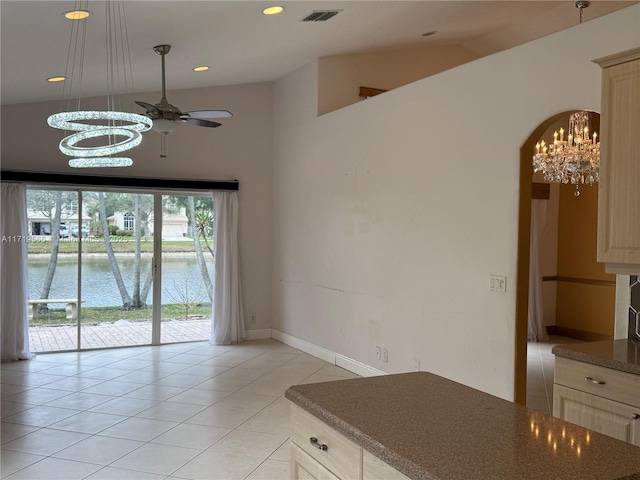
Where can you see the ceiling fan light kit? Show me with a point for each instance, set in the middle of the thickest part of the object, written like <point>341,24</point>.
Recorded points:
<point>166,117</point>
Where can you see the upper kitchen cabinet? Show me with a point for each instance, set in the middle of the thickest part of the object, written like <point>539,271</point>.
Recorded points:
<point>619,188</point>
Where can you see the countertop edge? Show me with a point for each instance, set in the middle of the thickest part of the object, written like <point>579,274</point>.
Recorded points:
<point>573,352</point>
<point>420,409</point>
<point>400,463</point>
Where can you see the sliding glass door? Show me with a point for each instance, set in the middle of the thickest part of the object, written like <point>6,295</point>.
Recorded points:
<point>116,276</point>
<point>52,270</point>
<point>114,253</point>
<point>187,268</point>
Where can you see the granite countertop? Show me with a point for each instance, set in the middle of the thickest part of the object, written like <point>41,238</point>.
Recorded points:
<point>621,354</point>
<point>428,427</point>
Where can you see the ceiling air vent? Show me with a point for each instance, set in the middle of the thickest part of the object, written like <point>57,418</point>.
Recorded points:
<point>320,15</point>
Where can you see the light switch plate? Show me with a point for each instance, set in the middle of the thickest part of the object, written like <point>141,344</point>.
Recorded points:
<point>498,283</point>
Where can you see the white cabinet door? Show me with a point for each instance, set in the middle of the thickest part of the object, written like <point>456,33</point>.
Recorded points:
<point>619,196</point>
<point>615,419</point>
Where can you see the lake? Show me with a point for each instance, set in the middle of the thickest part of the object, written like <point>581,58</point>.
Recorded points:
<point>180,276</point>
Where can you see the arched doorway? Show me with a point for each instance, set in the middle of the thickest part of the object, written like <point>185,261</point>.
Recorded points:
<point>572,287</point>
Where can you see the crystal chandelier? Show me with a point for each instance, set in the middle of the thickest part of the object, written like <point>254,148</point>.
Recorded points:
<point>117,131</point>
<point>574,160</point>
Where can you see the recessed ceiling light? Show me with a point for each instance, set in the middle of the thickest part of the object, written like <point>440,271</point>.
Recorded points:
<point>428,34</point>
<point>56,79</point>
<point>202,68</point>
<point>272,10</point>
<point>76,14</point>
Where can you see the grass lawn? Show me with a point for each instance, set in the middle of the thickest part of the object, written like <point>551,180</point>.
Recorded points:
<point>92,315</point>
<point>119,244</point>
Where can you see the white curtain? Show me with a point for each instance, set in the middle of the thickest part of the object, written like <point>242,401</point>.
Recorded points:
<point>14,329</point>
<point>537,331</point>
<point>228,320</point>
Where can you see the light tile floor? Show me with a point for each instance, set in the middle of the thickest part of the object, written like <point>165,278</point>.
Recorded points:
<point>182,411</point>
<point>540,364</point>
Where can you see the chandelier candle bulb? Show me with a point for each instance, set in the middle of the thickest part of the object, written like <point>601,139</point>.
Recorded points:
<point>575,161</point>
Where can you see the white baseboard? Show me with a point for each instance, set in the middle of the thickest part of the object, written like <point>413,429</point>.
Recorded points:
<point>327,355</point>
<point>356,367</point>
<point>258,334</point>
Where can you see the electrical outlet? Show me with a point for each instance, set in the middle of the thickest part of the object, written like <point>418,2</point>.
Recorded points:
<point>385,355</point>
<point>253,318</point>
<point>378,353</point>
<point>416,365</point>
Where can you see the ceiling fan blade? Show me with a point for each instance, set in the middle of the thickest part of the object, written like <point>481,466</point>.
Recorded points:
<point>147,106</point>
<point>208,114</point>
<point>202,123</point>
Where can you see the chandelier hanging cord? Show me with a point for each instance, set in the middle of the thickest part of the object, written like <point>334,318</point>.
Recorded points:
<point>74,67</point>
<point>121,129</point>
<point>581,5</point>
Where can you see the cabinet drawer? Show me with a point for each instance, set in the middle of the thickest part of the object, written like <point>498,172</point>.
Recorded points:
<point>341,456</point>
<point>605,382</point>
<point>303,467</point>
<point>615,419</point>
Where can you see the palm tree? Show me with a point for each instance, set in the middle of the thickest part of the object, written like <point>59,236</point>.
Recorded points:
<point>45,197</point>
<point>113,261</point>
<point>138,300</point>
<point>196,242</point>
<point>204,226</point>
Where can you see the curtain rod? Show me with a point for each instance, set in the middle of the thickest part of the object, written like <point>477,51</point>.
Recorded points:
<point>126,182</point>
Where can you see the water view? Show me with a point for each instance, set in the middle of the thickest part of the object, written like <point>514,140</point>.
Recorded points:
<point>180,276</point>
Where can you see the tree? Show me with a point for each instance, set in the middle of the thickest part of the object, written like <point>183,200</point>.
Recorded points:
<point>50,203</point>
<point>113,262</point>
<point>196,242</point>
<point>188,296</point>
<point>139,297</point>
<point>204,226</point>
<point>141,205</point>
<point>55,248</point>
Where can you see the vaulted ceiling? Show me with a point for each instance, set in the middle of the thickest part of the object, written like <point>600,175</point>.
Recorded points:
<point>241,45</point>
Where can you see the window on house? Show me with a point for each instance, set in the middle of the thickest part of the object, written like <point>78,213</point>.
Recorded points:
<point>129,221</point>
<point>72,207</point>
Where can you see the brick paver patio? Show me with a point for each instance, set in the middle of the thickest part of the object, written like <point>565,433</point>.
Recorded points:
<point>117,334</point>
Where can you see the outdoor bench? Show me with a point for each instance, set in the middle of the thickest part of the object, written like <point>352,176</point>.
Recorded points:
<point>71,307</point>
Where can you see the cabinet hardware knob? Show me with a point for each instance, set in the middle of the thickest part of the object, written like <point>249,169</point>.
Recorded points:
<point>319,446</point>
<point>635,416</point>
<point>593,380</point>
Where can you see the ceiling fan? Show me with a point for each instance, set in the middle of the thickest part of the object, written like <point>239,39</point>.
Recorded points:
<point>166,118</point>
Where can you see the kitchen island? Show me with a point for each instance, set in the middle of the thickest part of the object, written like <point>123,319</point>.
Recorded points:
<point>597,385</point>
<point>423,426</point>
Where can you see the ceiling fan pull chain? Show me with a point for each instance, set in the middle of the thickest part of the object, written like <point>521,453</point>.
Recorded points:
<point>162,145</point>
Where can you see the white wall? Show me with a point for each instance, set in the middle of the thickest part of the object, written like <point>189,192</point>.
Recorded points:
<point>240,149</point>
<point>341,76</point>
<point>390,215</point>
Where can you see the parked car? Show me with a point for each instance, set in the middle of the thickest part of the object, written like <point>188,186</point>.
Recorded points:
<point>74,231</point>
<point>64,232</point>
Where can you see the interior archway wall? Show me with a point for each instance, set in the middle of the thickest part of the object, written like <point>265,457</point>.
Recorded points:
<point>586,294</point>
